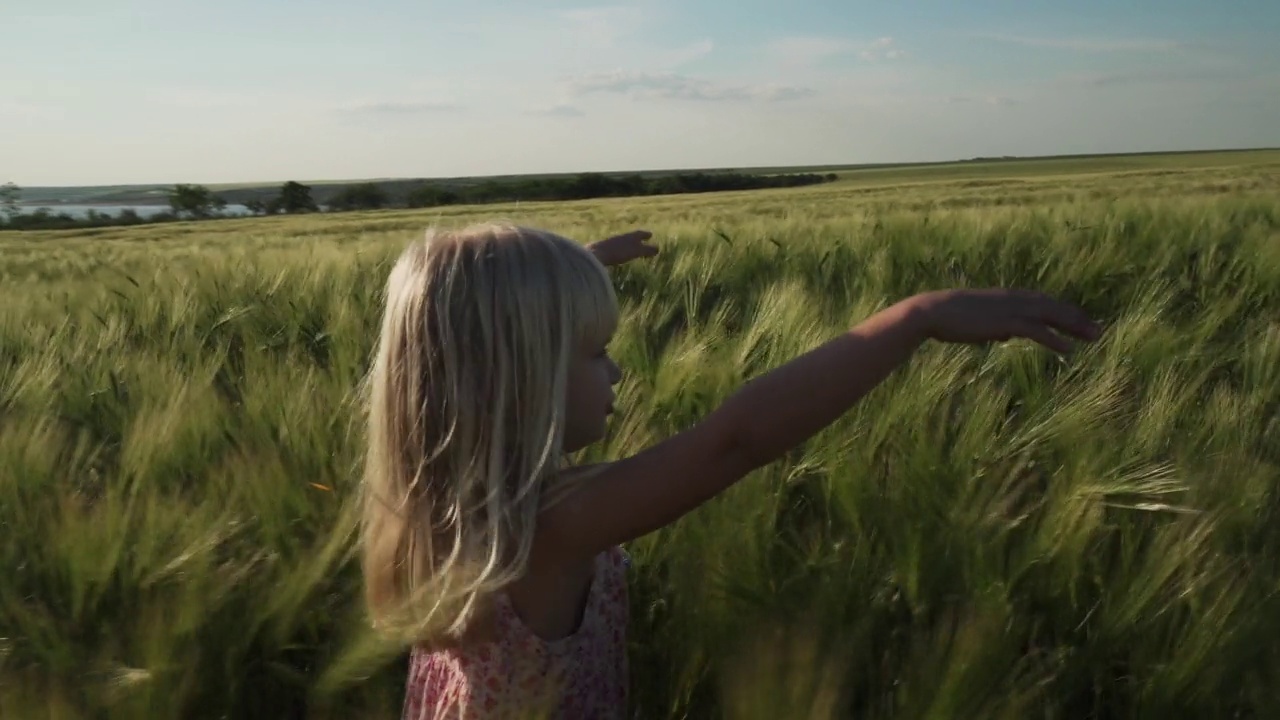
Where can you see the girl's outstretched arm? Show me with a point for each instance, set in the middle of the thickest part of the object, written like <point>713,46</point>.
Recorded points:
<point>786,406</point>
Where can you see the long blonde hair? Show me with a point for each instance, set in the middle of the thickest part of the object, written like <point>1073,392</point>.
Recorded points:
<point>465,411</point>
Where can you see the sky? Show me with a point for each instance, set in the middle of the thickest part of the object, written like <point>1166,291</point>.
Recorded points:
<point>166,91</point>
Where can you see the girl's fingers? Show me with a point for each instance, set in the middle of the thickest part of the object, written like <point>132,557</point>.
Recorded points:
<point>1068,318</point>
<point>1072,320</point>
<point>1033,330</point>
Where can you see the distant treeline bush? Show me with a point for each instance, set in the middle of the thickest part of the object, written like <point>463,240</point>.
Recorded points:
<point>198,202</point>
<point>592,185</point>
<point>46,219</point>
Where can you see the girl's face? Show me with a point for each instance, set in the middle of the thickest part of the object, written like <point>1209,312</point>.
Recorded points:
<point>589,396</point>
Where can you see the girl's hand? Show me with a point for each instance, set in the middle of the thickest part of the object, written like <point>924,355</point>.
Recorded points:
<point>977,316</point>
<point>624,248</point>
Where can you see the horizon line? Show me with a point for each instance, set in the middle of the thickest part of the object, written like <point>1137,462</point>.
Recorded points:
<point>746,168</point>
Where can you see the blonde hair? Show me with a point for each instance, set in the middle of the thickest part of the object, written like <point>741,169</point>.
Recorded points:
<point>465,412</point>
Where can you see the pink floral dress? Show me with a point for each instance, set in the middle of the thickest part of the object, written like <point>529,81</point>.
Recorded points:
<point>507,677</point>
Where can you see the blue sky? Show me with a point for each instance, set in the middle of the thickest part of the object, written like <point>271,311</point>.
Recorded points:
<point>176,91</point>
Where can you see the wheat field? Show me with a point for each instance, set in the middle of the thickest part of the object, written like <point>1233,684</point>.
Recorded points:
<point>993,533</point>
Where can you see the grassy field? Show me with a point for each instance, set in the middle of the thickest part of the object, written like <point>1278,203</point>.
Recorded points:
<point>994,533</point>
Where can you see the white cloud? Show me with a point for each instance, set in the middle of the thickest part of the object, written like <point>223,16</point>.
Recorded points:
<point>1090,44</point>
<point>1000,100</point>
<point>881,48</point>
<point>26,111</point>
<point>207,98</point>
<point>538,50</point>
<point>1184,75</point>
<point>558,110</point>
<point>802,51</point>
<point>395,107</point>
<point>676,57</point>
<point>673,86</point>
<point>626,31</point>
<point>805,51</point>
<point>603,25</point>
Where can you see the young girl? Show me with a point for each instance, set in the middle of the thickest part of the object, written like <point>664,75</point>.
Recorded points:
<point>501,561</point>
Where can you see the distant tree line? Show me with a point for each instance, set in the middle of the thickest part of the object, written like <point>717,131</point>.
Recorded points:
<point>587,186</point>
<point>199,202</point>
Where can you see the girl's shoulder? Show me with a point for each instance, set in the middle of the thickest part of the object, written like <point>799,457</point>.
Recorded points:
<point>573,476</point>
